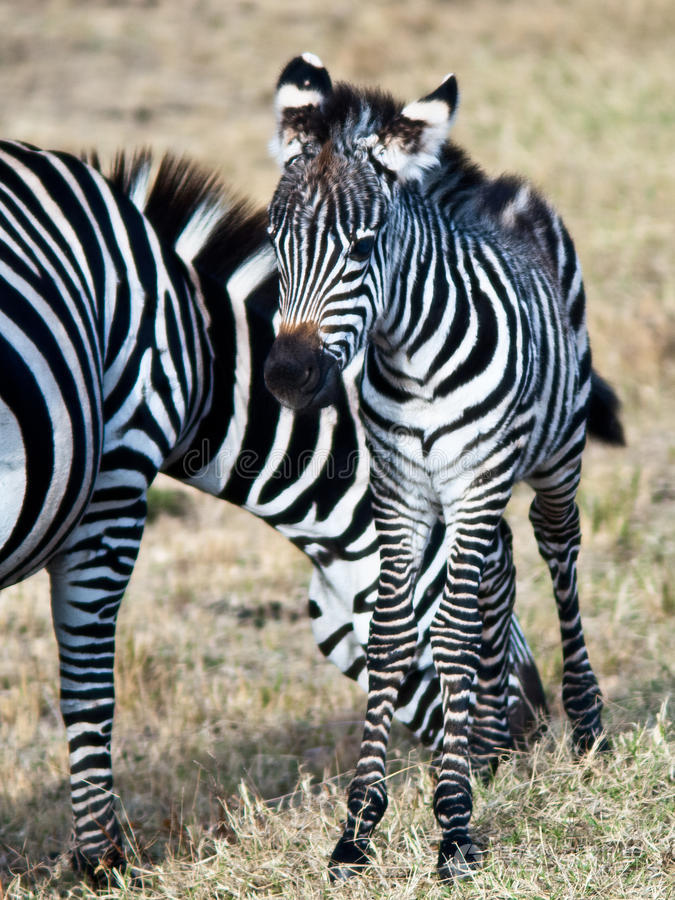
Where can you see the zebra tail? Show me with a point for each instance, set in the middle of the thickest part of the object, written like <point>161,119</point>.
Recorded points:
<point>603,413</point>
<point>528,711</point>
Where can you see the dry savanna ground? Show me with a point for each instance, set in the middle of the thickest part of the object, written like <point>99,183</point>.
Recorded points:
<point>234,739</point>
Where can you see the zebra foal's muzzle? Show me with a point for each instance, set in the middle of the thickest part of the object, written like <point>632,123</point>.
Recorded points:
<point>299,373</point>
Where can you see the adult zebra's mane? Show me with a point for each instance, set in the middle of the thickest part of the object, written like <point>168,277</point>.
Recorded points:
<point>190,208</point>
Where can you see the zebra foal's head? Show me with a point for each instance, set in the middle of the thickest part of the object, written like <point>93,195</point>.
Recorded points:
<point>345,155</point>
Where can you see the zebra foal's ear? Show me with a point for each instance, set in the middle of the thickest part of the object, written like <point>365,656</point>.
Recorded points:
<point>412,142</point>
<point>302,88</point>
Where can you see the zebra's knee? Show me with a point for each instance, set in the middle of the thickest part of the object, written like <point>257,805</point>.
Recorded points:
<point>456,653</point>
<point>391,647</point>
<point>389,659</point>
<point>547,515</point>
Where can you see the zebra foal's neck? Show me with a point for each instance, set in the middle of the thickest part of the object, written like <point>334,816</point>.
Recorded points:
<point>417,261</point>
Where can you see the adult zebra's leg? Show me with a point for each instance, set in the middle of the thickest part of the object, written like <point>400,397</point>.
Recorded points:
<point>490,733</point>
<point>88,579</point>
<point>391,649</point>
<point>555,518</point>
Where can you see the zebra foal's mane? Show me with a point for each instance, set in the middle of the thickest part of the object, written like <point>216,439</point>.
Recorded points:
<point>458,186</point>
<point>189,207</point>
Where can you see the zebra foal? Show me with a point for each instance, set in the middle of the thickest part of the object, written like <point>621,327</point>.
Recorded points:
<point>467,295</point>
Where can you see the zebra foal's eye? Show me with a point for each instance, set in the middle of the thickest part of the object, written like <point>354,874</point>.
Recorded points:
<point>361,248</point>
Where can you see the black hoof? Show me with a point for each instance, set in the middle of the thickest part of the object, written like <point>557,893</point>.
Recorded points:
<point>457,858</point>
<point>349,858</point>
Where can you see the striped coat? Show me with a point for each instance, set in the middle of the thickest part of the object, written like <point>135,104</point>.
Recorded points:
<point>136,313</point>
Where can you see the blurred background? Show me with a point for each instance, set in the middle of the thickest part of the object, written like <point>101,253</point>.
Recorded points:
<point>577,96</point>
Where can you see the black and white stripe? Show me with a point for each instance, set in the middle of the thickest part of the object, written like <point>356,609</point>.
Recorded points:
<point>135,314</point>
<point>466,293</point>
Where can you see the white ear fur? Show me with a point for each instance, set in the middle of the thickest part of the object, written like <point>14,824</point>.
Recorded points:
<point>413,144</point>
<point>303,84</point>
<point>290,96</point>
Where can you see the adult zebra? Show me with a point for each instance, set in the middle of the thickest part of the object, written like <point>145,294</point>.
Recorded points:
<point>468,295</point>
<point>135,315</point>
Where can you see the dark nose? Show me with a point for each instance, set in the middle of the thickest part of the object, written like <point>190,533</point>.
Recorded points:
<point>292,366</point>
<point>299,373</point>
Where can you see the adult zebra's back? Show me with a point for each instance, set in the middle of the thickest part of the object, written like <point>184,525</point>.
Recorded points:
<point>135,315</point>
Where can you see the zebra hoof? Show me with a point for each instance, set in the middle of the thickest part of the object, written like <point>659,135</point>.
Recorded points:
<point>349,858</point>
<point>457,858</point>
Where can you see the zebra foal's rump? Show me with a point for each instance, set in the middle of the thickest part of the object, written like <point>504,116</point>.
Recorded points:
<point>465,293</point>
<point>135,313</point>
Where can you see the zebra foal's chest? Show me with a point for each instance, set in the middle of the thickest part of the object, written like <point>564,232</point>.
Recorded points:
<point>420,444</point>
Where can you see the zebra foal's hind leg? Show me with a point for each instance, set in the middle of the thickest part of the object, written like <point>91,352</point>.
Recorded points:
<point>490,733</point>
<point>555,518</point>
<point>391,648</point>
<point>88,578</point>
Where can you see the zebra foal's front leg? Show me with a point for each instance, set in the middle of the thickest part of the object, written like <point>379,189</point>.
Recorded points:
<point>391,649</point>
<point>490,734</point>
<point>472,524</point>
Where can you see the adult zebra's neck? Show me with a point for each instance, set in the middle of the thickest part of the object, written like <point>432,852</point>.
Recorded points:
<point>224,250</point>
<point>236,301</point>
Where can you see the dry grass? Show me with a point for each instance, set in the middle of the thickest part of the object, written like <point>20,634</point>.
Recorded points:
<point>216,711</point>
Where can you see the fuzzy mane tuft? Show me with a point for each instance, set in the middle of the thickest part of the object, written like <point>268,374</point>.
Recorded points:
<point>190,208</point>
<point>350,113</point>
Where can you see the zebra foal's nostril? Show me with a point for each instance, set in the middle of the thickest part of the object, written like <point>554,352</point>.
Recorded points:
<point>293,370</point>
<point>310,376</point>
<point>292,365</point>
